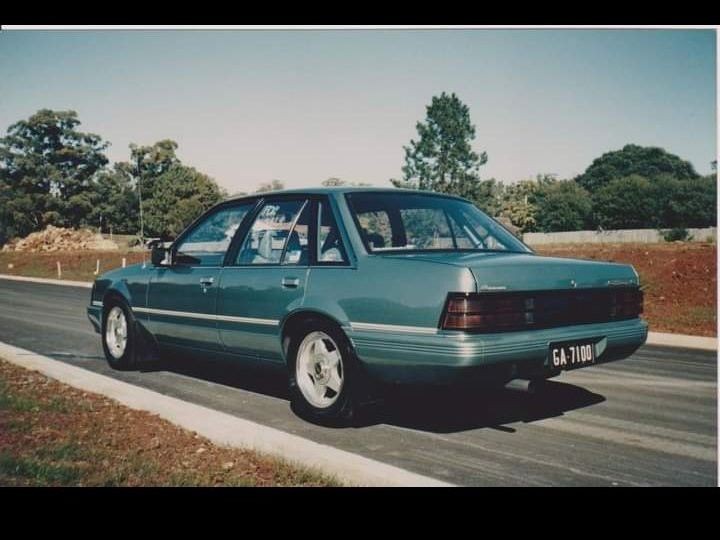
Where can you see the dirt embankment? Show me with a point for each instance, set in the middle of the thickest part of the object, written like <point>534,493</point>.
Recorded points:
<point>679,280</point>
<point>60,239</point>
<point>78,265</point>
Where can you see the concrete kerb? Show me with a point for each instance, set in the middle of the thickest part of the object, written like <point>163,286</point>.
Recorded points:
<point>225,429</point>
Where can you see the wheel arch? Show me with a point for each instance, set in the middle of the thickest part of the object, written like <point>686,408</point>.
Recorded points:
<point>148,347</point>
<point>301,316</point>
<point>113,295</point>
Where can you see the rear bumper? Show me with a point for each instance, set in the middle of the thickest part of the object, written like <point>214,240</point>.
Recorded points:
<point>449,357</point>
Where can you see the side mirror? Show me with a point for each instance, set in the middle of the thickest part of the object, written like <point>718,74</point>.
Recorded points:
<point>160,255</point>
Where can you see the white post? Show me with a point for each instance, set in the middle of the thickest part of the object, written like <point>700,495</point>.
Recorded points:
<point>59,270</point>
<point>97,267</point>
<point>124,262</point>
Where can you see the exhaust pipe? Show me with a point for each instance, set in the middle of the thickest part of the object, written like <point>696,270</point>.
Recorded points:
<point>522,385</point>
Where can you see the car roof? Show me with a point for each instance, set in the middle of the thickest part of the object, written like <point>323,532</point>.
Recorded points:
<point>324,190</point>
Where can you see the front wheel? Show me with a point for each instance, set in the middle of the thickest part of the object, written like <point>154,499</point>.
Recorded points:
<point>117,337</point>
<point>324,375</point>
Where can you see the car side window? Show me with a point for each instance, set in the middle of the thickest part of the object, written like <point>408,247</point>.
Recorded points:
<point>474,233</point>
<point>427,228</point>
<point>463,235</point>
<point>209,240</point>
<point>330,248</point>
<point>297,250</point>
<point>273,231</point>
<point>375,227</point>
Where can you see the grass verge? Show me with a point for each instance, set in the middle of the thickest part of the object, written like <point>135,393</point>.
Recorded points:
<point>54,435</point>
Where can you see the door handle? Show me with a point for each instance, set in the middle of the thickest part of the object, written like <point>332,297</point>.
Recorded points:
<point>206,282</point>
<point>290,282</point>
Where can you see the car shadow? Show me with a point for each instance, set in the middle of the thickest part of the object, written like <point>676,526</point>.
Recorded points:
<point>449,410</point>
<point>431,409</point>
<point>257,378</point>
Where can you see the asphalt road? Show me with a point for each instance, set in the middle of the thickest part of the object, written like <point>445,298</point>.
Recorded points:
<point>647,420</point>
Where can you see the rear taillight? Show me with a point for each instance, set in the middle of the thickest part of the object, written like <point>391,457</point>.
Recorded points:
<point>498,312</point>
<point>628,303</point>
<point>473,312</point>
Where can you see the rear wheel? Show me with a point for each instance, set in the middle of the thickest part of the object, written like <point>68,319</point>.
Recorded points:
<point>323,372</point>
<point>118,337</point>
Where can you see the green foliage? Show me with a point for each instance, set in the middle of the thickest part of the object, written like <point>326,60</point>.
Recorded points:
<point>52,173</point>
<point>442,158</point>
<point>518,204</point>
<point>47,169</point>
<point>646,161</point>
<point>626,203</point>
<point>561,206</point>
<point>38,472</point>
<point>115,202</point>
<point>180,194</point>
<point>154,160</point>
<point>687,203</point>
<point>636,202</point>
<point>486,195</point>
<point>677,234</point>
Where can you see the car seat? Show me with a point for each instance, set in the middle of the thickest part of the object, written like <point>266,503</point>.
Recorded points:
<point>374,239</point>
<point>296,253</point>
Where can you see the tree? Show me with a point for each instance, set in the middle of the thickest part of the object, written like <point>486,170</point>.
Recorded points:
<point>47,169</point>
<point>562,206</point>
<point>154,160</point>
<point>627,203</point>
<point>518,204</point>
<point>442,158</point>
<point>645,161</point>
<point>275,185</point>
<point>487,196</point>
<point>685,203</point>
<point>115,202</point>
<point>180,194</point>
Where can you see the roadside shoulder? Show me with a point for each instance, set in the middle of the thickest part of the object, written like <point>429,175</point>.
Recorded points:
<point>682,341</point>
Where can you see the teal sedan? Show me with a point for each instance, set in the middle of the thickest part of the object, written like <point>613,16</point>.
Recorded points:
<point>355,288</point>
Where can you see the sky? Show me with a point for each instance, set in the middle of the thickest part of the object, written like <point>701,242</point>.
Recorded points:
<point>300,106</point>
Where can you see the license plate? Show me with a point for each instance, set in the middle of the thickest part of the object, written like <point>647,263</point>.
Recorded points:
<point>571,355</point>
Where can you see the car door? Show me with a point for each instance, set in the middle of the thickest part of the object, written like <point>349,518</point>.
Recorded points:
<point>182,298</point>
<point>265,278</point>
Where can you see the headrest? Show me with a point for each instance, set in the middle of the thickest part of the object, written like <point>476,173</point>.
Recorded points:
<point>265,245</point>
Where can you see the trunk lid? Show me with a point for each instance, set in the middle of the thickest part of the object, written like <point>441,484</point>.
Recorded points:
<point>497,271</point>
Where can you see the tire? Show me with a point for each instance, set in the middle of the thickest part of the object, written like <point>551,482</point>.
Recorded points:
<point>319,357</point>
<point>118,336</point>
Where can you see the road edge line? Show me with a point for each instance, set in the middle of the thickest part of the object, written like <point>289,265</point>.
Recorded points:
<point>225,429</point>
<point>682,341</point>
<point>48,281</point>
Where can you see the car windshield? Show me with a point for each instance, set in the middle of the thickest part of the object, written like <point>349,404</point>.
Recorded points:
<point>413,222</point>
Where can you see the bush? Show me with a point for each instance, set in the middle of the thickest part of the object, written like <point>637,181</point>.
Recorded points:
<point>562,206</point>
<point>677,234</point>
<point>626,203</point>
